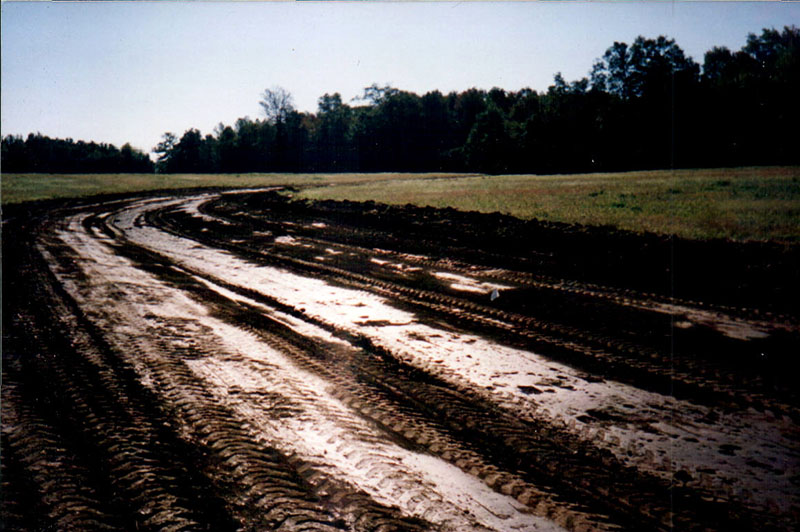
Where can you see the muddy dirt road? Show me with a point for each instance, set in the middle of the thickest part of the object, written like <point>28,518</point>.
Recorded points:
<point>237,361</point>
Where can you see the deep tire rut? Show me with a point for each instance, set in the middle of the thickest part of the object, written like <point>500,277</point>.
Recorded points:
<point>164,370</point>
<point>687,376</point>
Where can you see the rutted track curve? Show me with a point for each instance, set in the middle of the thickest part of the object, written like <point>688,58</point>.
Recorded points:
<point>237,361</point>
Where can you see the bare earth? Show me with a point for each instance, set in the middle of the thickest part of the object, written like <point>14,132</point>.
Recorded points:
<point>234,361</point>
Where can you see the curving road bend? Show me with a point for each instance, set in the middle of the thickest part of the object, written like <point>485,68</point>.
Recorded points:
<point>207,362</point>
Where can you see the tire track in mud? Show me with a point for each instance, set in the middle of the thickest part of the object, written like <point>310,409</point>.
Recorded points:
<point>32,450</point>
<point>197,418</point>
<point>366,383</point>
<point>687,376</point>
<point>365,514</point>
<point>101,424</point>
<point>275,493</point>
<point>637,490</point>
<point>434,416</point>
<point>625,297</point>
<point>277,489</point>
<point>338,230</point>
<point>148,490</point>
<point>701,478</point>
<point>149,374</point>
<point>334,235</point>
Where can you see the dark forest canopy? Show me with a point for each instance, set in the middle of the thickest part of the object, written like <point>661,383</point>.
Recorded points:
<point>39,153</point>
<point>644,105</point>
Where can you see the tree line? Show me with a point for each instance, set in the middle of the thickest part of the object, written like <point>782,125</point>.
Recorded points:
<point>42,154</point>
<point>644,105</point>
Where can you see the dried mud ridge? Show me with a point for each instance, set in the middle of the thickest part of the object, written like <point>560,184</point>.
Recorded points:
<point>241,361</point>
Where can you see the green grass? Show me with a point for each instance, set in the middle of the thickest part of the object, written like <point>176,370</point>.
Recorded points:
<point>17,188</point>
<point>742,204</point>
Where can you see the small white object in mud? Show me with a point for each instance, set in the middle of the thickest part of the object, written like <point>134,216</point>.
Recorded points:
<point>495,294</point>
<point>469,284</point>
<point>286,239</point>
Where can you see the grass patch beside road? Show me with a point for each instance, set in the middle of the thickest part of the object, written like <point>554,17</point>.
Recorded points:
<point>760,203</point>
<point>742,203</point>
<point>17,188</point>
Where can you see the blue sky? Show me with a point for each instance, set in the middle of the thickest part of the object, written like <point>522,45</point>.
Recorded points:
<point>128,72</point>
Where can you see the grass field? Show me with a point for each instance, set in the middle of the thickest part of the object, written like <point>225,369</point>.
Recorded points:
<point>743,203</point>
<point>17,188</point>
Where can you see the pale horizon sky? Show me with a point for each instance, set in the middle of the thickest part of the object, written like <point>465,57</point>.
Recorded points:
<point>121,72</point>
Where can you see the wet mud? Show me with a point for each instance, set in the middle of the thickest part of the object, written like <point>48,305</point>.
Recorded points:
<point>226,360</point>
